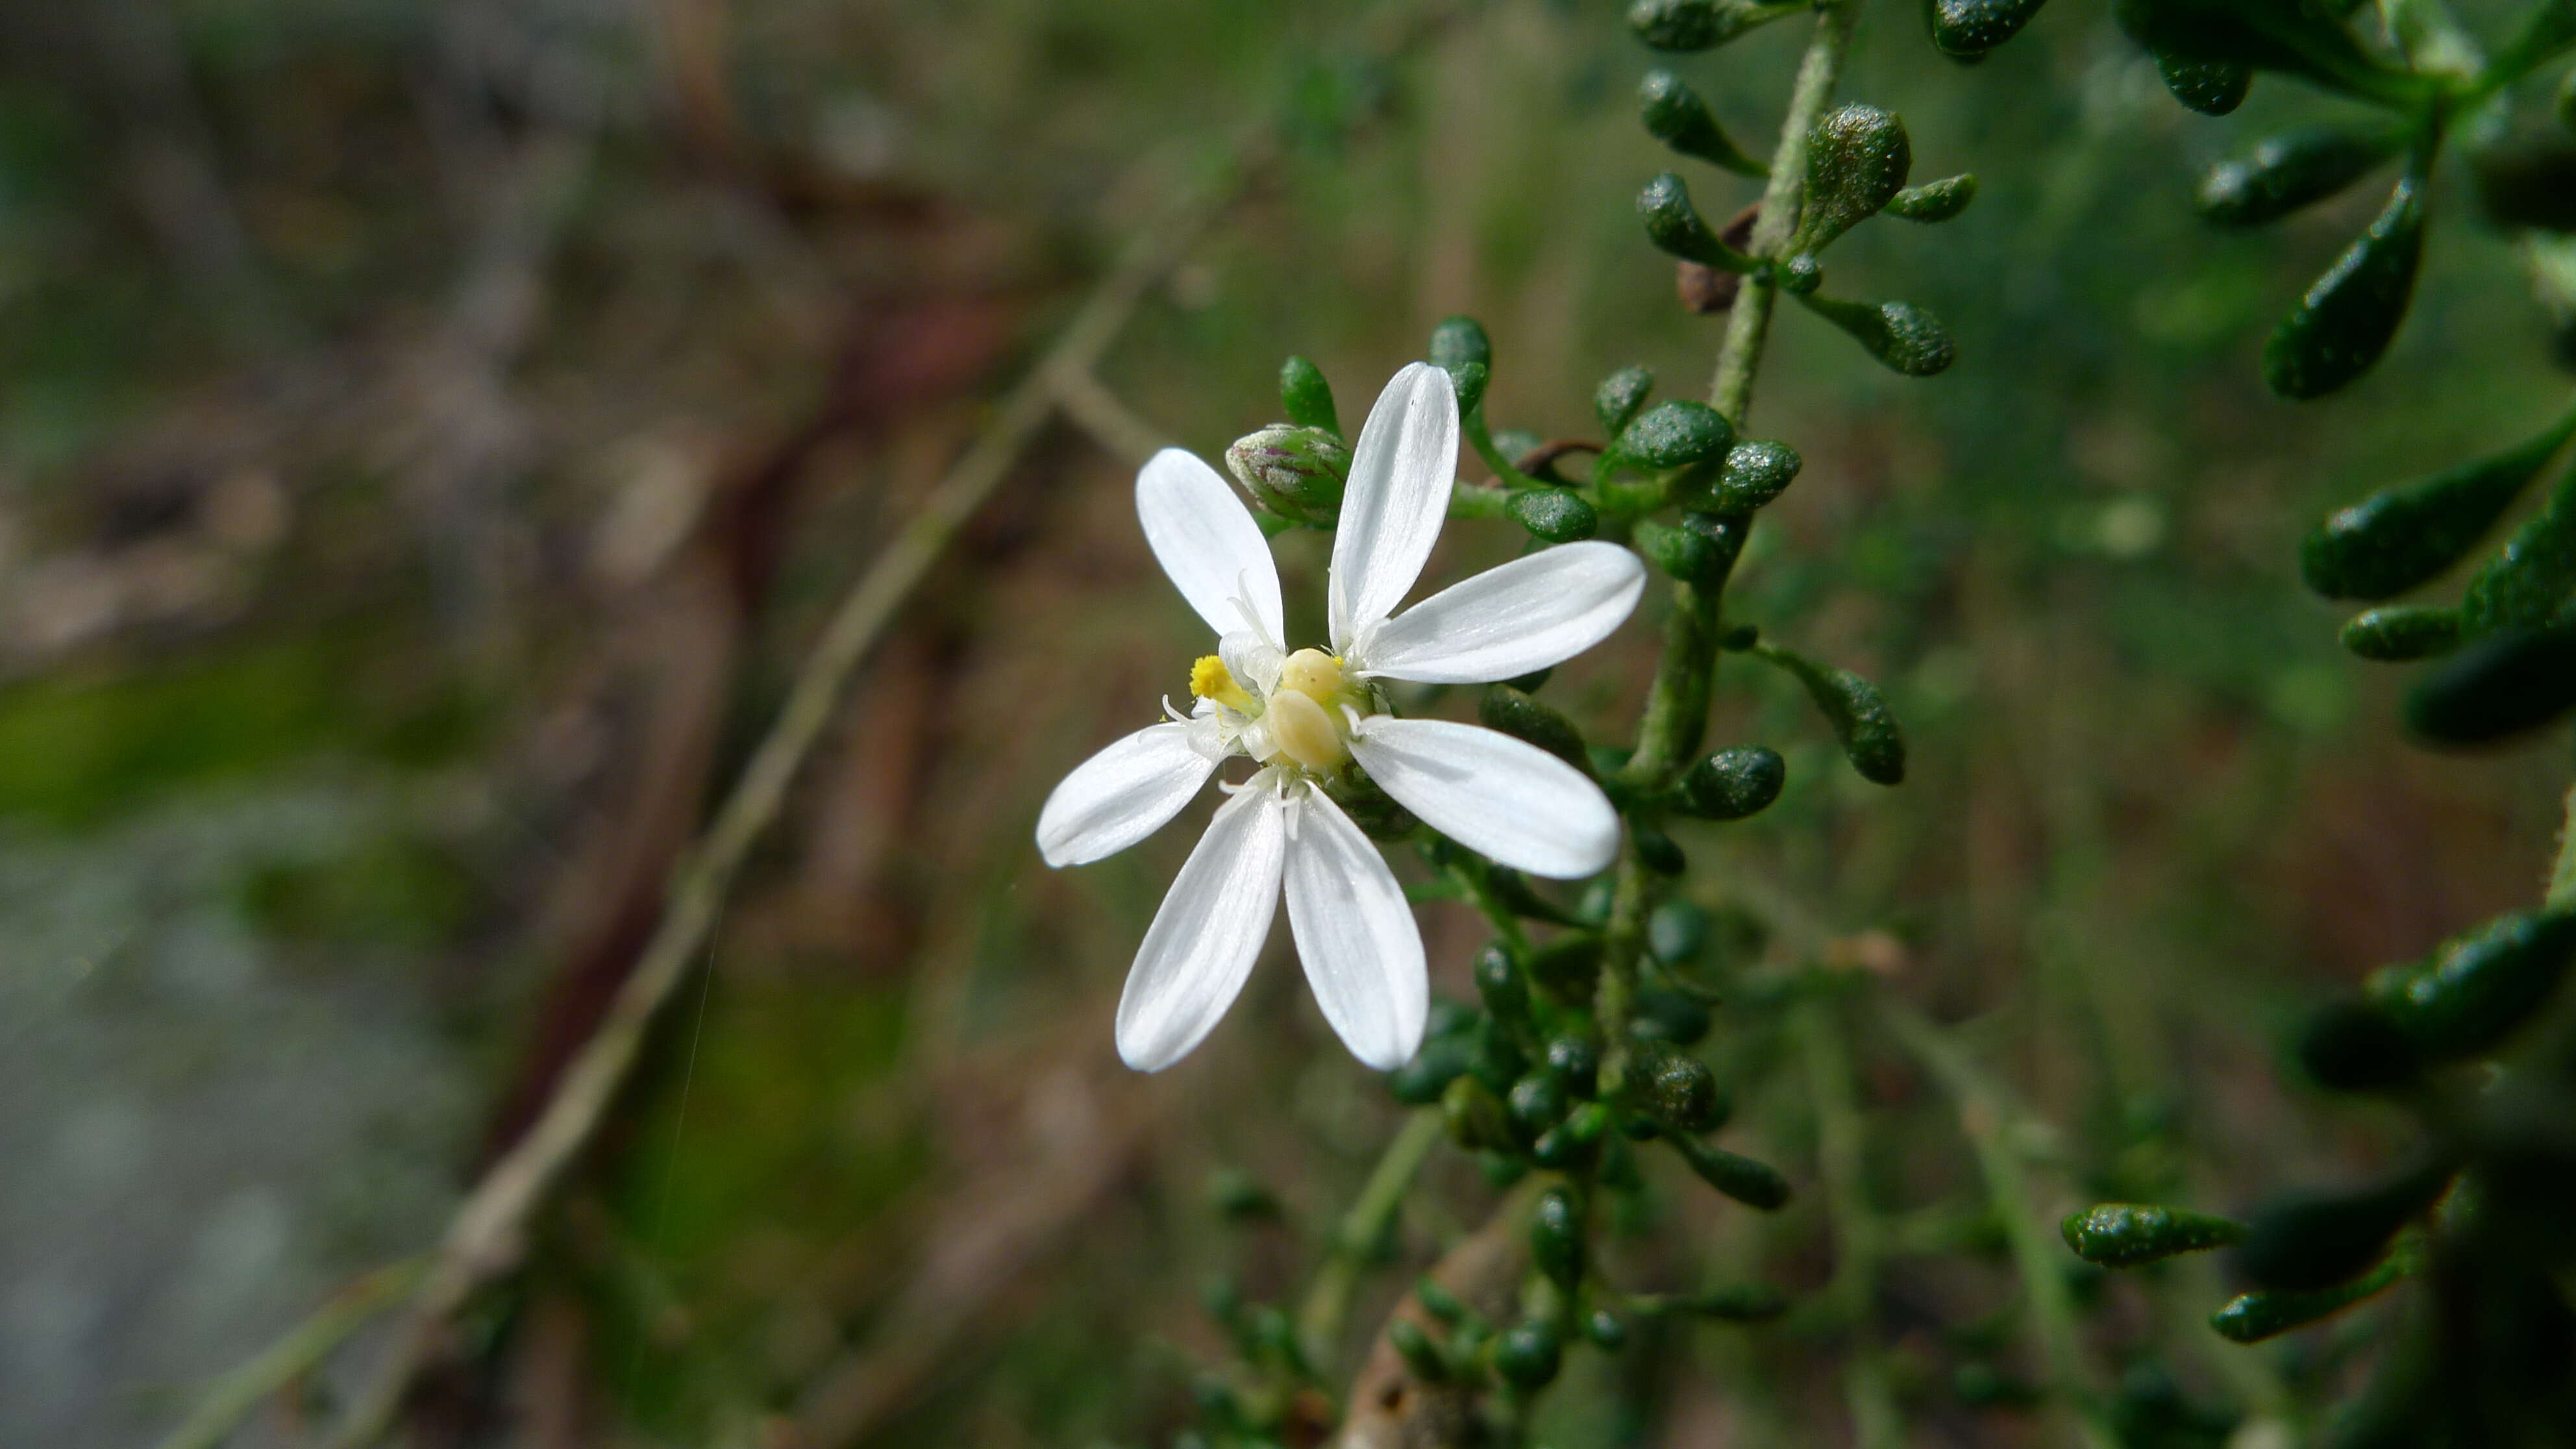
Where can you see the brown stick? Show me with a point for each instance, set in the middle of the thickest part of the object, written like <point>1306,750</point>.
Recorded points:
<point>1388,1408</point>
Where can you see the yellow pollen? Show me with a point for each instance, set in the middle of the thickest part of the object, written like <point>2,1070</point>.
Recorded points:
<point>1304,732</point>
<point>1209,679</point>
<point>1314,674</point>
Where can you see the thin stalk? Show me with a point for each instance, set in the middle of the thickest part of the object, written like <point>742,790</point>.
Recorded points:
<point>1859,1235</point>
<point>1677,704</point>
<point>1328,1299</point>
<point>291,1357</point>
<point>1985,1118</point>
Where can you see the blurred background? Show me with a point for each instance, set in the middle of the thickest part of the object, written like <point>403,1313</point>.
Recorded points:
<point>431,434</point>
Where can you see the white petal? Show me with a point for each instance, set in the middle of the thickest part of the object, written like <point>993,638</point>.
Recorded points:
<point>1492,794</point>
<point>1509,621</point>
<point>1355,934</point>
<point>1121,795</point>
<point>1206,540</point>
<point>1401,474</point>
<point>1204,938</point>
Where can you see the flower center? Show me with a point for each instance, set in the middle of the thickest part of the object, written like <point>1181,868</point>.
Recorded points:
<point>1302,713</point>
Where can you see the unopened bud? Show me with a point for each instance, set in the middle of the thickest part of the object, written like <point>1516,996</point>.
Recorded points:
<point>1295,472</point>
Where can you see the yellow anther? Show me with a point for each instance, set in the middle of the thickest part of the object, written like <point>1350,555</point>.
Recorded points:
<point>1304,732</point>
<point>1314,674</point>
<point>1209,679</point>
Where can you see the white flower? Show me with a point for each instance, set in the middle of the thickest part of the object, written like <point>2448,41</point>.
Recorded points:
<point>1306,718</point>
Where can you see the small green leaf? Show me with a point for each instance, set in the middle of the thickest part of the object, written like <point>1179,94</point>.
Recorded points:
<point>2402,633</point>
<point>1657,852</point>
<point>2253,1317</point>
<point>1683,553</point>
<point>1502,984</point>
<point>1973,27</point>
<point>2305,1241</point>
<point>1528,1353</point>
<point>1754,1184</point>
<point>1458,341</point>
<point>1674,226</point>
<point>1513,713</point>
<point>2343,325</point>
<point>2294,169</point>
<point>1858,158</point>
<point>1422,1358</point>
<point>1556,1238</point>
<point>1619,397</point>
<point>2528,183</point>
<point>1668,1016</point>
<point>2403,536</point>
<point>1704,24</point>
<point>1899,334</point>
<point>1681,1090</point>
<point>2476,989</point>
<point>1674,114</point>
<point>1858,712</point>
<point>1739,1303</point>
<point>2131,1234</point>
<point>1441,1061</point>
<point>2527,584</point>
<point>2497,688</point>
<point>1935,201</point>
<point>2211,87</point>
<point>1671,435</point>
<point>1732,784</point>
<point>1307,397</point>
<point>2291,36</point>
<point>1757,471</point>
<point>1558,515</point>
<point>1467,380</point>
<point>1605,1330</point>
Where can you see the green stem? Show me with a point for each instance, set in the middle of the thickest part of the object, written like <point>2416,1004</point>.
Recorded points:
<point>1677,706</point>
<point>1328,1300</point>
<point>292,1357</point>
<point>1858,1233</point>
<point>1749,325</point>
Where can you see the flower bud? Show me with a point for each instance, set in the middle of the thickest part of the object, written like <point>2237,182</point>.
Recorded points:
<point>2311,1240</point>
<point>2211,87</point>
<point>2479,987</point>
<point>1859,714</point>
<point>1683,1091</point>
<point>1675,227</point>
<point>1964,28</point>
<point>1732,784</point>
<point>2294,169</point>
<point>1556,1237</point>
<point>1536,1103</point>
<point>1619,397</point>
<point>2403,536</point>
<point>1500,982</point>
<point>1700,24</point>
<point>1675,115</point>
<point>1935,201</point>
<point>1679,552</point>
<point>1527,1355</point>
<point>1657,851</point>
<point>1676,931</point>
<point>2340,329</point>
<point>1756,472</point>
<point>1438,1301</point>
<point>2401,633</point>
<point>1605,1330</point>
<point>1296,472</point>
<point>1474,1116</point>
<point>2497,688</point>
<point>1555,515</point>
<point>1307,397</point>
<point>1675,435</point>
<point>1458,341</point>
<point>1900,335</point>
<point>1857,162</point>
<point>1573,1060</point>
<point>2131,1235</point>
